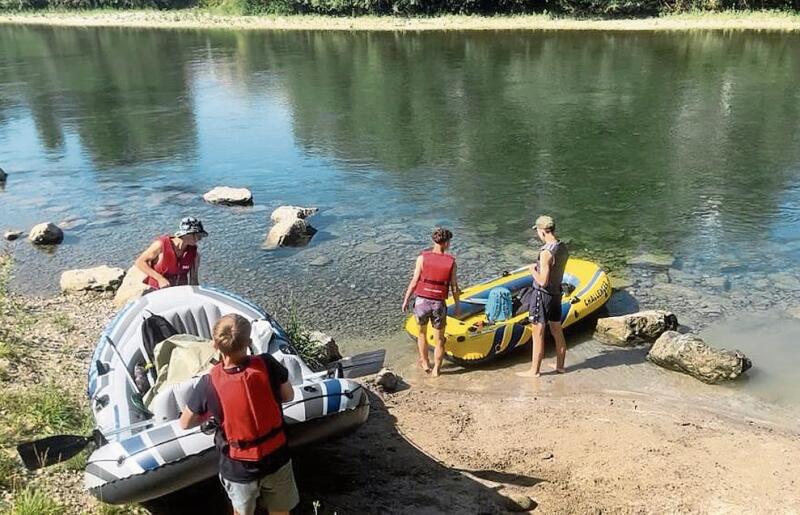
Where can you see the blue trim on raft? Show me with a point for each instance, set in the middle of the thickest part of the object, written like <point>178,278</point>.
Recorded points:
<point>147,461</point>
<point>334,389</point>
<point>133,445</point>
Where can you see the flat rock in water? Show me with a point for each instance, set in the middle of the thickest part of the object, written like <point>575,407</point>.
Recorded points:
<point>229,196</point>
<point>101,278</point>
<point>46,233</point>
<point>132,287</point>
<point>794,312</point>
<point>369,247</point>
<point>689,354</point>
<point>652,260</point>
<point>12,235</point>
<point>636,328</point>
<point>715,282</point>
<point>320,261</point>
<point>784,281</point>
<point>619,283</point>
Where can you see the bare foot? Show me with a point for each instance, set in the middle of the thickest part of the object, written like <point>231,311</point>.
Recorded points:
<point>426,367</point>
<point>528,373</point>
<point>558,370</point>
<point>435,372</point>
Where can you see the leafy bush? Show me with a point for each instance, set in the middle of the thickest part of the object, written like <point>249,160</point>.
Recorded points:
<point>308,349</point>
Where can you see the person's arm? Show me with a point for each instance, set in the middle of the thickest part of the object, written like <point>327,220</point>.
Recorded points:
<point>413,283</point>
<point>196,409</point>
<point>143,263</point>
<point>542,274</point>
<point>287,392</point>
<point>456,290</point>
<point>194,273</point>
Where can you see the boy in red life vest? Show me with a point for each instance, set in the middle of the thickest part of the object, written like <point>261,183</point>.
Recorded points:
<point>434,276</point>
<point>244,394</point>
<point>173,260</point>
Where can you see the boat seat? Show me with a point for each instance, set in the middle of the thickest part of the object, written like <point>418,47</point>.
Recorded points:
<point>169,402</point>
<point>293,365</point>
<point>197,319</point>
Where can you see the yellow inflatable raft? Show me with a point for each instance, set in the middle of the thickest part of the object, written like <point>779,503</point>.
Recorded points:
<point>586,289</point>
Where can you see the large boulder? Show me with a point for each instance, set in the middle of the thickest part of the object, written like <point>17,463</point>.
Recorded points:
<point>691,355</point>
<point>101,278</point>
<point>284,213</point>
<point>3,176</point>
<point>46,233</point>
<point>291,228</point>
<point>229,196</point>
<point>132,287</point>
<point>636,328</point>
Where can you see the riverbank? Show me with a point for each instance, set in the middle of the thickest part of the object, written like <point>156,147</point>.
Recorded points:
<point>563,452</point>
<point>206,19</point>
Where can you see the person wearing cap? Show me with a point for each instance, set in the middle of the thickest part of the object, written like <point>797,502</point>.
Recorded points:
<point>545,307</point>
<point>173,260</point>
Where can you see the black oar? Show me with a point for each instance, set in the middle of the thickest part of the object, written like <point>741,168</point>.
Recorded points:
<point>55,449</point>
<point>364,364</point>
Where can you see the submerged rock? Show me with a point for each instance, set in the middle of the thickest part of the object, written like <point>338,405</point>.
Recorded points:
<point>101,278</point>
<point>291,228</point>
<point>636,328</point>
<point>12,235</point>
<point>691,355</point>
<point>320,261</point>
<point>132,287</point>
<point>3,176</point>
<point>652,260</point>
<point>46,233</point>
<point>619,283</point>
<point>227,196</point>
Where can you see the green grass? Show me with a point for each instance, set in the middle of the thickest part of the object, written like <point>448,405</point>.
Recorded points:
<point>28,501</point>
<point>312,353</point>
<point>41,410</point>
<point>63,322</point>
<point>10,469</point>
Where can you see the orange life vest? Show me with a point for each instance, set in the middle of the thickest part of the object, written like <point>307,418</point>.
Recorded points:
<point>174,270</point>
<point>434,281</point>
<point>252,421</point>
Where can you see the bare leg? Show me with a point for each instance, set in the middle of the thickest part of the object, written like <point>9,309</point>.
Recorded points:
<point>561,345</point>
<point>438,351</point>
<point>538,351</point>
<point>422,346</point>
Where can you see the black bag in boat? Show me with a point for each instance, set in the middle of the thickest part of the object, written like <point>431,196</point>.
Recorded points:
<point>155,329</point>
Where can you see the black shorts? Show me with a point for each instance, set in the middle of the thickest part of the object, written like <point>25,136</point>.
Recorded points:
<point>545,307</point>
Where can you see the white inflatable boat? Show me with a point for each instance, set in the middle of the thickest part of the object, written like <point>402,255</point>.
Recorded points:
<point>144,453</point>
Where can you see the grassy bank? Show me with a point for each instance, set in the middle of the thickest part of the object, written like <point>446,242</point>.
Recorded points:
<point>42,351</point>
<point>201,18</point>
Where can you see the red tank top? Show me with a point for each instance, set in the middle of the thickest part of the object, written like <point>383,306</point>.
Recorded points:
<point>252,422</point>
<point>434,282</point>
<point>174,270</point>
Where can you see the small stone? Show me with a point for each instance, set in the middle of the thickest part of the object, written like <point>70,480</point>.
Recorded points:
<point>12,235</point>
<point>320,261</point>
<point>652,260</point>
<point>519,502</point>
<point>387,379</point>
<point>101,278</point>
<point>228,196</point>
<point>548,455</point>
<point>327,345</point>
<point>46,233</point>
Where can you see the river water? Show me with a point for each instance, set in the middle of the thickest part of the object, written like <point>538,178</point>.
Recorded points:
<point>681,145</point>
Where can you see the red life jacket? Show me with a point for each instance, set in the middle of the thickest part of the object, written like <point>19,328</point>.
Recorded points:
<point>252,421</point>
<point>174,270</point>
<point>434,282</point>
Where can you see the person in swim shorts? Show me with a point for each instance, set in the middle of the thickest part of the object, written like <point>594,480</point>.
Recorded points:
<point>434,277</point>
<point>545,308</point>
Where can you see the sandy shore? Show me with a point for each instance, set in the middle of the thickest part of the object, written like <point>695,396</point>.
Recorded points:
<point>201,19</point>
<point>432,449</point>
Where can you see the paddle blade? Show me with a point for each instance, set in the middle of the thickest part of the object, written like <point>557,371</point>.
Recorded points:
<point>51,450</point>
<point>364,364</point>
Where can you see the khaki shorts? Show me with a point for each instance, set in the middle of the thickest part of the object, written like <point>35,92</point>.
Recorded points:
<point>275,492</point>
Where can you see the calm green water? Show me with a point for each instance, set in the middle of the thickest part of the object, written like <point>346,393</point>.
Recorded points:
<point>685,144</point>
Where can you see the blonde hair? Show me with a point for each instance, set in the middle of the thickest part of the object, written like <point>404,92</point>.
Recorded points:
<point>545,223</point>
<point>232,333</point>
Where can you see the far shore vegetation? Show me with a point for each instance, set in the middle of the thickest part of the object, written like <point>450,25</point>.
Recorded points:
<point>313,15</point>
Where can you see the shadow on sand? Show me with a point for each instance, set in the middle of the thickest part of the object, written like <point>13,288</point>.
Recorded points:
<point>373,470</point>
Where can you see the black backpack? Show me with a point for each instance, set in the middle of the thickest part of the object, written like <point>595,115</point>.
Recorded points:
<point>155,329</point>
